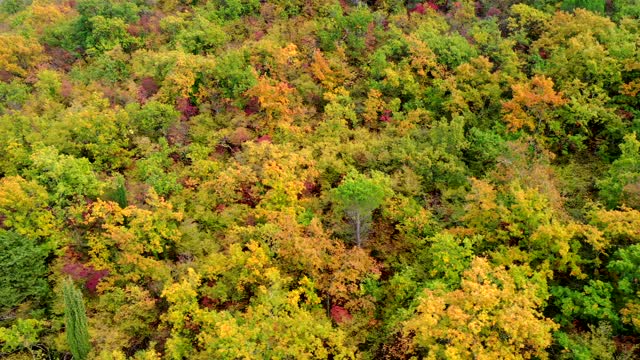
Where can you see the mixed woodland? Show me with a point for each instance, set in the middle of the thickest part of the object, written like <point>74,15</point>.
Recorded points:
<point>319,179</point>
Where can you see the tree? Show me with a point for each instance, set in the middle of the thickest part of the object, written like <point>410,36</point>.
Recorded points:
<point>626,265</point>
<point>274,100</point>
<point>133,243</point>
<point>123,318</point>
<point>153,119</point>
<point>594,303</point>
<point>107,33</point>
<point>494,315</point>
<point>25,210</point>
<point>451,48</point>
<point>24,270</point>
<point>532,105</point>
<point>527,24</point>
<point>201,36</point>
<point>582,46</point>
<point>13,6</point>
<point>277,323</point>
<point>233,74</point>
<point>18,55</point>
<point>65,177</point>
<point>591,5</point>
<point>24,334</point>
<point>623,172</point>
<point>182,75</point>
<point>359,196</point>
<point>76,321</point>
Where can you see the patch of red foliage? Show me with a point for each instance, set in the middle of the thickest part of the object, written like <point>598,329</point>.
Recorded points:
<point>187,108</point>
<point>433,5</point>
<point>134,30</point>
<point>493,12</point>
<point>253,106</point>
<point>385,24</point>
<point>111,94</point>
<point>310,188</point>
<point>370,37</point>
<point>149,23</point>
<point>59,58</point>
<point>264,139</point>
<point>66,89</point>
<point>88,273</point>
<point>419,8</point>
<point>5,76</point>
<point>543,54</point>
<point>340,314</point>
<point>178,134</point>
<point>625,114</point>
<point>258,35</point>
<point>148,88</point>
<point>248,196</point>
<point>220,150</point>
<point>386,116</point>
<point>208,302</point>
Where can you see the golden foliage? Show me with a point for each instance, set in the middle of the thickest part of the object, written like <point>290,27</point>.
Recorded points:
<point>531,103</point>
<point>19,55</point>
<point>492,316</point>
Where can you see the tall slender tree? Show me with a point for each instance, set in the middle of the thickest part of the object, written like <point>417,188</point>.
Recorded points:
<point>76,321</point>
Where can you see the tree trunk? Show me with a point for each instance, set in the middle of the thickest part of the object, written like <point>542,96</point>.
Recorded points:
<point>358,239</point>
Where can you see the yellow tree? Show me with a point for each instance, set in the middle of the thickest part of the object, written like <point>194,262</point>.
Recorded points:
<point>18,55</point>
<point>274,99</point>
<point>133,243</point>
<point>494,315</point>
<point>24,207</point>
<point>278,323</point>
<point>531,105</point>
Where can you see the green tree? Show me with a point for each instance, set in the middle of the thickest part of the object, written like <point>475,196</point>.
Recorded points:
<point>108,33</point>
<point>359,196</point>
<point>451,48</point>
<point>233,74</point>
<point>623,172</point>
<point>65,177</point>
<point>153,119</point>
<point>13,95</point>
<point>594,303</point>
<point>591,5</point>
<point>201,36</point>
<point>76,321</point>
<point>24,270</point>
<point>24,334</point>
<point>627,8</point>
<point>13,6</point>
<point>103,24</point>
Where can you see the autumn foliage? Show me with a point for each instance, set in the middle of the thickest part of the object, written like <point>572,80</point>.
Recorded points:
<point>323,179</point>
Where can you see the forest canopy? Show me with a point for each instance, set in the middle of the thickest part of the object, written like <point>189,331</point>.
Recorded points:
<point>319,179</point>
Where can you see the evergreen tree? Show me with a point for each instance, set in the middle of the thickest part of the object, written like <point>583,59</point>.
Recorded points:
<point>76,321</point>
<point>23,275</point>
